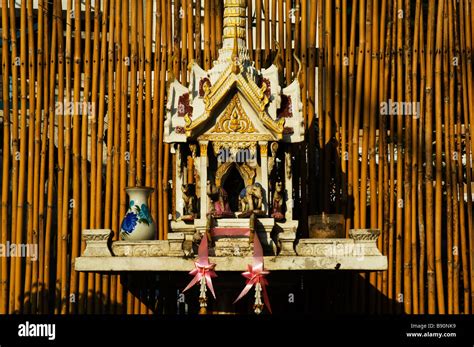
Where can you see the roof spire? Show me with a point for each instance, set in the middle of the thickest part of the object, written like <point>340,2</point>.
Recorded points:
<point>235,53</point>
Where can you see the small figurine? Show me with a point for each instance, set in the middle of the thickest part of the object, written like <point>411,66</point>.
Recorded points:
<point>251,200</point>
<point>190,202</point>
<point>218,204</point>
<point>278,202</point>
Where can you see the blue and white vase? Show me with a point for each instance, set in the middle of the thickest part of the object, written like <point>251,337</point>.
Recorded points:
<point>137,224</point>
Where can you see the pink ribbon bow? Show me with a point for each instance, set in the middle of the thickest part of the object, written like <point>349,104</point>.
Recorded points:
<point>203,268</point>
<point>256,274</point>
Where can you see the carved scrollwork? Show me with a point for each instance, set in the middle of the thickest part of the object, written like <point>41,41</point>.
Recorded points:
<point>136,250</point>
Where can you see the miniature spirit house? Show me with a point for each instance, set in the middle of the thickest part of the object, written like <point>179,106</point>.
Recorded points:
<point>236,123</point>
<point>231,131</point>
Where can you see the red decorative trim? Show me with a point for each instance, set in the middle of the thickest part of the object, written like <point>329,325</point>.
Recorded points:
<point>285,110</point>
<point>268,91</point>
<point>184,108</point>
<point>179,130</point>
<point>201,85</point>
<point>230,231</point>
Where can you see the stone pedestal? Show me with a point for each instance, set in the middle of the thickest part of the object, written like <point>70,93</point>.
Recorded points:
<point>286,236</point>
<point>97,242</point>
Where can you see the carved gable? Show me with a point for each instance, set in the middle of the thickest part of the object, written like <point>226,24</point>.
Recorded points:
<point>234,120</point>
<point>237,122</point>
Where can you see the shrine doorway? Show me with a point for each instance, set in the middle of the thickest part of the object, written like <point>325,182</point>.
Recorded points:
<point>233,185</point>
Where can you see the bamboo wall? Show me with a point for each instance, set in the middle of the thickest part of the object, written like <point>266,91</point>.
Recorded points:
<point>409,176</point>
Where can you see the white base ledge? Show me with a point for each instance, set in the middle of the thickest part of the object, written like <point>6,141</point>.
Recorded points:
<point>274,263</point>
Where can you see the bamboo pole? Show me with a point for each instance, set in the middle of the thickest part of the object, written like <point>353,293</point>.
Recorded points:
<point>158,109</point>
<point>365,115</point>
<point>471,238</point>
<point>15,150</point>
<point>274,26</point>
<point>197,32</point>
<point>465,106</point>
<point>384,74</point>
<point>266,11</point>
<point>429,164</point>
<point>105,58</point>
<point>420,174</point>
<point>391,256</point>
<point>439,149</point>
<point>344,121</point>
<point>139,132</point>
<point>320,64</point>
<point>372,131</point>
<point>470,86</point>
<point>281,31</point>
<point>357,111</point>
<point>76,162</point>
<point>290,15</point>
<point>164,163</point>
<point>31,271</point>
<point>68,204</point>
<point>39,277</point>
<point>400,204</point>
<point>148,90</point>
<point>464,240</point>
<point>106,285</point>
<point>351,116</point>
<point>213,31</point>
<point>124,153</point>
<point>132,170</point>
<point>5,160</point>
<point>455,133</point>
<point>328,114</point>
<point>207,35</point>
<point>447,149</point>
<point>30,160</point>
<point>18,295</point>
<point>117,155</point>
<point>311,102</point>
<point>219,24</point>
<point>297,37</point>
<point>384,41</point>
<point>407,242</point>
<point>190,30</point>
<point>184,43</point>
<point>61,158</point>
<point>96,145</point>
<point>86,118</point>
<point>416,158</point>
<point>258,37</point>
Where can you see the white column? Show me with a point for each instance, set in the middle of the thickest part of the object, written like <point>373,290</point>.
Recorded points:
<point>264,171</point>
<point>179,181</point>
<point>288,186</point>
<point>203,177</point>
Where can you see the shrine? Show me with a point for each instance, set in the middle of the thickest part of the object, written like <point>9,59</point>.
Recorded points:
<point>231,130</point>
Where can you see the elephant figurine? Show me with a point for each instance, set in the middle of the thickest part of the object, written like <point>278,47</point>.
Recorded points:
<point>251,200</point>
